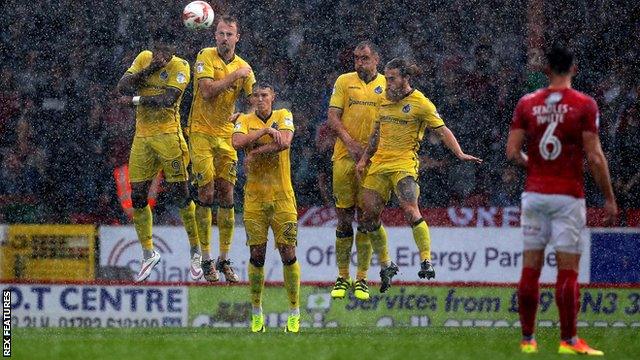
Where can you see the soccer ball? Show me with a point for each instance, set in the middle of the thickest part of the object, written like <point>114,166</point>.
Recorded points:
<point>197,15</point>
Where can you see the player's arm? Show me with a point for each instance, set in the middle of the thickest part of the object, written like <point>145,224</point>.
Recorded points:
<point>164,100</point>
<point>167,99</point>
<point>130,82</point>
<point>283,143</point>
<point>515,141</point>
<point>241,141</point>
<point>372,147</point>
<point>451,142</point>
<point>517,136</point>
<point>334,114</point>
<point>600,171</point>
<point>210,88</point>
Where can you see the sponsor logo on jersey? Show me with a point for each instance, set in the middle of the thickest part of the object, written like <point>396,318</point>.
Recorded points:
<point>181,78</point>
<point>199,67</point>
<point>393,120</point>
<point>378,90</point>
<point>406,109</point>
<point>238,126</point>
<point>361,102</point>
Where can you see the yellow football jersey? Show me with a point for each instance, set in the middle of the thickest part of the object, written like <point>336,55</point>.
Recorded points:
<point>212,116</point>
<point>152,120</point>
<point>359,102</point>
<point>402,125</point>
<point>269,176</point>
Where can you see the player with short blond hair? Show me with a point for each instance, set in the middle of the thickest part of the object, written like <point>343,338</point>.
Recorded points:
<point>220,76</point>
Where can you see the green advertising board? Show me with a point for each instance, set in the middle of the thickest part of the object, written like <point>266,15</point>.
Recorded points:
<point>410,306</point>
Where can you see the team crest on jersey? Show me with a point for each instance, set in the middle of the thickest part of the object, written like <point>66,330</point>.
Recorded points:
<point>406,109</point>
<point>181,78</point>
<point>175,165</point>
<point>288,121</point>
<point>164,75</point>
<point>238,126</point>
<point>378,90</point>
<point>199,67</point>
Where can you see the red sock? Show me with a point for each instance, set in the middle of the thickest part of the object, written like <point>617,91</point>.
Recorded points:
<point>528,297</point>
<point>567,294</point>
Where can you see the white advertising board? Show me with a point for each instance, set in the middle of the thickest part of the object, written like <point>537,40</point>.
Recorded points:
<point>458,254</point>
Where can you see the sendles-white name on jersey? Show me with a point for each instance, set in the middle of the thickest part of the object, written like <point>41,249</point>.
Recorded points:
<point>550,113</point>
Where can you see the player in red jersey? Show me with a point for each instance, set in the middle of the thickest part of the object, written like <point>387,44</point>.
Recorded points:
<point>559,125</point>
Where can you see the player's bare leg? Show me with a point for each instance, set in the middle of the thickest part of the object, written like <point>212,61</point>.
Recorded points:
<point>408,191</point>
<point>256,284</point>
<point>143,223</point>
<point>291,272</point>
<point>568,301</point>
<point>344,243</point>
<point>373,204</point>
<point>528,298</point>
<point>203,217</point>
<point>226,221</point>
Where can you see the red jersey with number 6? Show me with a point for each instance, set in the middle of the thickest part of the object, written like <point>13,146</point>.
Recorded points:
<point>553,121</point>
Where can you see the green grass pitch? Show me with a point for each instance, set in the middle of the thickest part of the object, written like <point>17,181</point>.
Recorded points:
<point>338,343</point>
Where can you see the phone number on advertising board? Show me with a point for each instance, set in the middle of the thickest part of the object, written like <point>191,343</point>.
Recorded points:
<point>91,322</point>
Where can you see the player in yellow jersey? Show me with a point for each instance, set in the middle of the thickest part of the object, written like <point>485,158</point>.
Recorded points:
<point>154,85</point>
<point>220,76</point>
<point>393,153</point>
<point>269,201</point>
<point>353,109</point>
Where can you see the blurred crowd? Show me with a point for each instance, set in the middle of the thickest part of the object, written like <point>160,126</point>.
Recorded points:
<point>63,135</point>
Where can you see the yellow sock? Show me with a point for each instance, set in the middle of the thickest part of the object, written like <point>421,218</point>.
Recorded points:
<point>378,239</point>
<point>226,221</point>
<point>143,222</point>
<point>203,220</point>
<point>188,215</point>
<point>364,250</point>
<point>256,284</point>
<point>292,283</point>
<point>422,238</point>
<point>344,241</point>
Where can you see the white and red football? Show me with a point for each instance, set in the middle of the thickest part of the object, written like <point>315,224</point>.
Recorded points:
<point>197,15</point>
